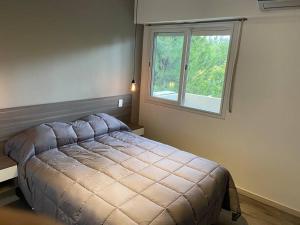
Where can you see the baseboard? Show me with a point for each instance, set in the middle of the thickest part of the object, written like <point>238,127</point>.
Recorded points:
<point>268,202</point>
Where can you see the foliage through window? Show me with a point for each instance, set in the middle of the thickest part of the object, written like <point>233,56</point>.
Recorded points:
<point>167,65</point>
<point>191,66</point>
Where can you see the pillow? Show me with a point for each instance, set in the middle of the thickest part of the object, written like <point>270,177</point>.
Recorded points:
<point>57,134</point>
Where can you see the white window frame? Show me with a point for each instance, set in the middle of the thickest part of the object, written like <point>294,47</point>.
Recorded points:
<point>232,28</point>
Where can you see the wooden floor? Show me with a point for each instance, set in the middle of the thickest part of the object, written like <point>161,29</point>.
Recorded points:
<point>253,213</point>
<point>256,213</point>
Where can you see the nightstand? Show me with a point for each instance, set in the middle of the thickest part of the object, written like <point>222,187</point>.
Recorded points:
<point>137,129</point>
<point>8,169</point>
<point>8,183</point>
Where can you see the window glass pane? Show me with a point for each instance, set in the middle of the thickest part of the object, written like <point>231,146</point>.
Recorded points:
<point>206,72</point>
<point>167,59</point>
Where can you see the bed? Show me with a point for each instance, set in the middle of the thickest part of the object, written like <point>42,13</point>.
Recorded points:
<point>96,171</point>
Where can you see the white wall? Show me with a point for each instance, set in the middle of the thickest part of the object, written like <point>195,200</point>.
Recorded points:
<point>259,141</point>
<point>52,51</point>
<point>156,11</point>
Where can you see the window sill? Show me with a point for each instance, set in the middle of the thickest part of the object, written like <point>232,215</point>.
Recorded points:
<point>173,105</point>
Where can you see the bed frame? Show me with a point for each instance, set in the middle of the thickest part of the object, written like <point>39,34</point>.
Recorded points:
<point>14,120</point>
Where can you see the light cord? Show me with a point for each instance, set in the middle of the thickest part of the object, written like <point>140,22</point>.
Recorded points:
<point>135,39</point>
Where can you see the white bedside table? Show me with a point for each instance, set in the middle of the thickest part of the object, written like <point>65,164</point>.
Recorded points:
<point>8,183</point>
<point>137,129</point>
<point>8,169</point>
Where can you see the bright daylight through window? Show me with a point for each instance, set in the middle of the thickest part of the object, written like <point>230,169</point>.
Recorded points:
<point>192,66</point>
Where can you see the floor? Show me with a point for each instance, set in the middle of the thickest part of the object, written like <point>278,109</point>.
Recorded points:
<point>254,213</point>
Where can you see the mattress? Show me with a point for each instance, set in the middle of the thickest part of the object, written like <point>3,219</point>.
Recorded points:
<point>96,171</point>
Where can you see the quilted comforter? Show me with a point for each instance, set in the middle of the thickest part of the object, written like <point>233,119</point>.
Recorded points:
<point>95,171</point>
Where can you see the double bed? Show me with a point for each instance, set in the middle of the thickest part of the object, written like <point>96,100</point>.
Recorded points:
<point>96,171</point>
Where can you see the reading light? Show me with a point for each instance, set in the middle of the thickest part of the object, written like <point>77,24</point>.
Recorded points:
<point>133,86</point>
<point>133,83</point>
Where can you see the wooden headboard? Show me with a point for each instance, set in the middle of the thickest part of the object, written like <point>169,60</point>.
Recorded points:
<point>14,120</point>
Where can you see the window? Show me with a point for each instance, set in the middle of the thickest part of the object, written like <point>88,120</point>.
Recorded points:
<point>191,66</point>
<point>167,58</point>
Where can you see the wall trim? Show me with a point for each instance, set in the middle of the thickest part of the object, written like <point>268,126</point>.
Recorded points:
<point>268,202</point>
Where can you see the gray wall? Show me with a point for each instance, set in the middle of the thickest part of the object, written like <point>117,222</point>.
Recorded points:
<point>61,50</point>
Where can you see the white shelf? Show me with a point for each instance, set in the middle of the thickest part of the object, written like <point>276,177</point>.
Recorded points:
<point>8,173</point>
<point>139,131</point>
